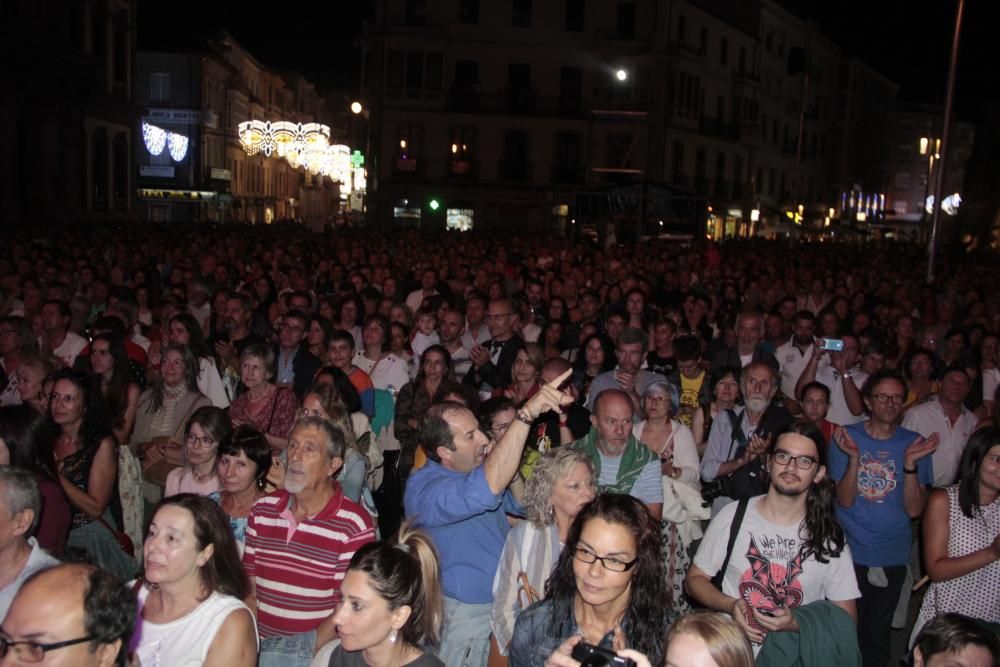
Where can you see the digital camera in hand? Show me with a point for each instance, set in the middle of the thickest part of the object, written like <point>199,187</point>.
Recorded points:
<point>589,655</point>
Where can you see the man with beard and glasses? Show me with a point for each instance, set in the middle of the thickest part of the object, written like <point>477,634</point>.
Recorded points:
<point>789,549</point>
<point>881,470</point>
<point>739,439</point>
<point>299,541</point>
<point>794,355</point>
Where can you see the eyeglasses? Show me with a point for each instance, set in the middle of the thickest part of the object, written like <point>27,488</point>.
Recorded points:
<point>302,413</point>
<point>33,651</point>
<point>801,462</point>
<point>585,555</point>
<point>203,442</point>
<point>895,399</point>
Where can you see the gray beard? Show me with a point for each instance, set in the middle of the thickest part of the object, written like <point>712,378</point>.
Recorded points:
<point>757,404</point>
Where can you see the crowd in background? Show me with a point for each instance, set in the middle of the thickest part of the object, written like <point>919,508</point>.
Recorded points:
<point>360,449</point>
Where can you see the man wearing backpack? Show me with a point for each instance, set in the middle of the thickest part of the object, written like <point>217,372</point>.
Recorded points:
<point>732,467</point>
<point>763,557</point>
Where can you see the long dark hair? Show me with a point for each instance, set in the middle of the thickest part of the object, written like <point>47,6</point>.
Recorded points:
<point>610,360</point>
<point>196,337</point>
<point>96,424</point>
<point>449,367</point>
<point>970,466</point>
<point>28,439</point>
<point>406,573</point>
<point>821,533</point>
<point>223,572</point>
<point>116,396</point>
<point>645,622</point>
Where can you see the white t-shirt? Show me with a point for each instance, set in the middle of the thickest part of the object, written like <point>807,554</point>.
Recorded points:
<point>766,568</point>
<point>792,361</point>
<point>839,413</point>
<point>71,346</point>
<point>991,378</point>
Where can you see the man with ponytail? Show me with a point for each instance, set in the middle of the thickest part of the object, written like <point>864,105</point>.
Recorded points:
<point>781,550</point>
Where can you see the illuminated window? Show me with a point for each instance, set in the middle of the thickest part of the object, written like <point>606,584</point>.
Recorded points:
<point>459,219</point>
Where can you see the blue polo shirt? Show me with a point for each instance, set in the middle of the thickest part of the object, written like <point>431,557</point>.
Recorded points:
<point>468,524</point>
<point>877,525</point>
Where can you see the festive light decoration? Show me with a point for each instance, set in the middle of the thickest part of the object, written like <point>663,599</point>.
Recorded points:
<point>154,137</point>
<point>177,144</point>
<point>305,145</point>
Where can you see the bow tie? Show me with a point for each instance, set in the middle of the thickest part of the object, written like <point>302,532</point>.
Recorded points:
<point>496,344</point>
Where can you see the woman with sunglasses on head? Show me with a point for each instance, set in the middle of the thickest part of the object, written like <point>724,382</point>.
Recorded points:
<point>607,589</point>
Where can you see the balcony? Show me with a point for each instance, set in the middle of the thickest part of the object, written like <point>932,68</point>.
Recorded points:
<point>514,171</point>
<point>718,128</point>
<point>462,169</point>
<point>517,101</point>
<point>566,174</point>
<point>408,166</point>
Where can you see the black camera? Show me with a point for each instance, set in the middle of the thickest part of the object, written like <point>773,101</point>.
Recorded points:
<point>589,655</point>
<point>717,488</point>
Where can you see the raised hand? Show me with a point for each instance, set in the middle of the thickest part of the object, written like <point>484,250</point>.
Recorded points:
<point>550,396</point>
<point>920,448</point>
<point>846,443</point>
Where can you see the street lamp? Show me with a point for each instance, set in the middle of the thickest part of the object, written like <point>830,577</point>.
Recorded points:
<point>356,107</point>
<point>931,147</point>
<point>621,75</point>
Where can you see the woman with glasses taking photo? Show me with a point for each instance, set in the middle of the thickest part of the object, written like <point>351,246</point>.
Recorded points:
<point>607,589</point>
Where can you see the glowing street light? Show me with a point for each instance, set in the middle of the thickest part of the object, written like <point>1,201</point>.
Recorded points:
<point>356,107</point>
<point>621,75</point>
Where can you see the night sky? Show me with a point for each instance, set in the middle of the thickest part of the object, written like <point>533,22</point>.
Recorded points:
<point>909,41</point>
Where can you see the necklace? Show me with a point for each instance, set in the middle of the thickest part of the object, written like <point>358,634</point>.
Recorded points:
<point>202,478</point>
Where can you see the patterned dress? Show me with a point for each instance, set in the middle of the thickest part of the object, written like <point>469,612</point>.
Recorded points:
<point>976,593</point>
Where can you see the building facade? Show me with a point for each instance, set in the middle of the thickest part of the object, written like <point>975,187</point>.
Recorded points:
<point>195,97</point>
<point>513,114</point>
<point>66,122</point>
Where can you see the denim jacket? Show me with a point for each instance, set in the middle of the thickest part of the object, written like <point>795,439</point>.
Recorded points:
<point>535,638</point>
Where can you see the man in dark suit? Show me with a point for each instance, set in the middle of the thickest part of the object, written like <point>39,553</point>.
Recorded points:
<point>492,362</point>
<point>296,365</point>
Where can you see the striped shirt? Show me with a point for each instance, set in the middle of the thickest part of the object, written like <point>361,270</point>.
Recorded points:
<point>298,568</point>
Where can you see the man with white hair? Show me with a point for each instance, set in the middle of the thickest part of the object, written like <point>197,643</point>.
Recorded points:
<point>20,554</point>
<point>299,541</point>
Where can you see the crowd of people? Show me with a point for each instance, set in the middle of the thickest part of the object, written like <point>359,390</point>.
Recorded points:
<point>265,446</point>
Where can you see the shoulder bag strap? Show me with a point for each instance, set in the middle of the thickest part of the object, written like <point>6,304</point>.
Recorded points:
<point>736,421</point>
<point>734,531</point>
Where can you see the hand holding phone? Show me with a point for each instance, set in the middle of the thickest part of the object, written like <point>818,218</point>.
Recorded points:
<point>831,344</point>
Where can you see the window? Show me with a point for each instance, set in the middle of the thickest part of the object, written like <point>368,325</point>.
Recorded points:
<point>720,108</point>
<point>626,20</point>
<point>568,150</point>
<point>678,161</point>
<point>574,15</point>
<point>515,156</point>
<point>414,71</point>
<point>703,41</point>
<point>617,149</point>
<point>724,52</point>
<point>159,87</point>
<point>394,73</point>
<point>462,143</point>
<point>681,28</point>
<point>570,89</point>
<point>468,12</point>
<point>520,16</point>
<point>416,12</point>
<point>459,219</point>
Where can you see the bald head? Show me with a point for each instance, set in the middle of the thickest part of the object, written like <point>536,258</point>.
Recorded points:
<point>70,602</point>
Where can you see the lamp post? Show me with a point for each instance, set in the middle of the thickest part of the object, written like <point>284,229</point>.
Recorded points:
<point>930,147</point>
<point>945,135</point>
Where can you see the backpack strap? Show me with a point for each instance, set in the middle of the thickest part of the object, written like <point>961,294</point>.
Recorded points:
<point>736,421</point>
<point>734,531</point>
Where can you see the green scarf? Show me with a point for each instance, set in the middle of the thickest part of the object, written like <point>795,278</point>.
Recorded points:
<point>634,459</point>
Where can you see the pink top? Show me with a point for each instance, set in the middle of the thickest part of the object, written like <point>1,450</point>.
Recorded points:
<point>181,480</point>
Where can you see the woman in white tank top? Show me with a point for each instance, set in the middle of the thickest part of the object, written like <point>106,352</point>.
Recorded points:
<point>190,600</point>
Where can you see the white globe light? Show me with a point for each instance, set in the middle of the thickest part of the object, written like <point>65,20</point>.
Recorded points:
<point>356,107</point>
<point>621,75</point>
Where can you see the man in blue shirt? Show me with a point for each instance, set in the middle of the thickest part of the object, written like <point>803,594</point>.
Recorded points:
<point>461,498</point>
<point>882,471</point>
